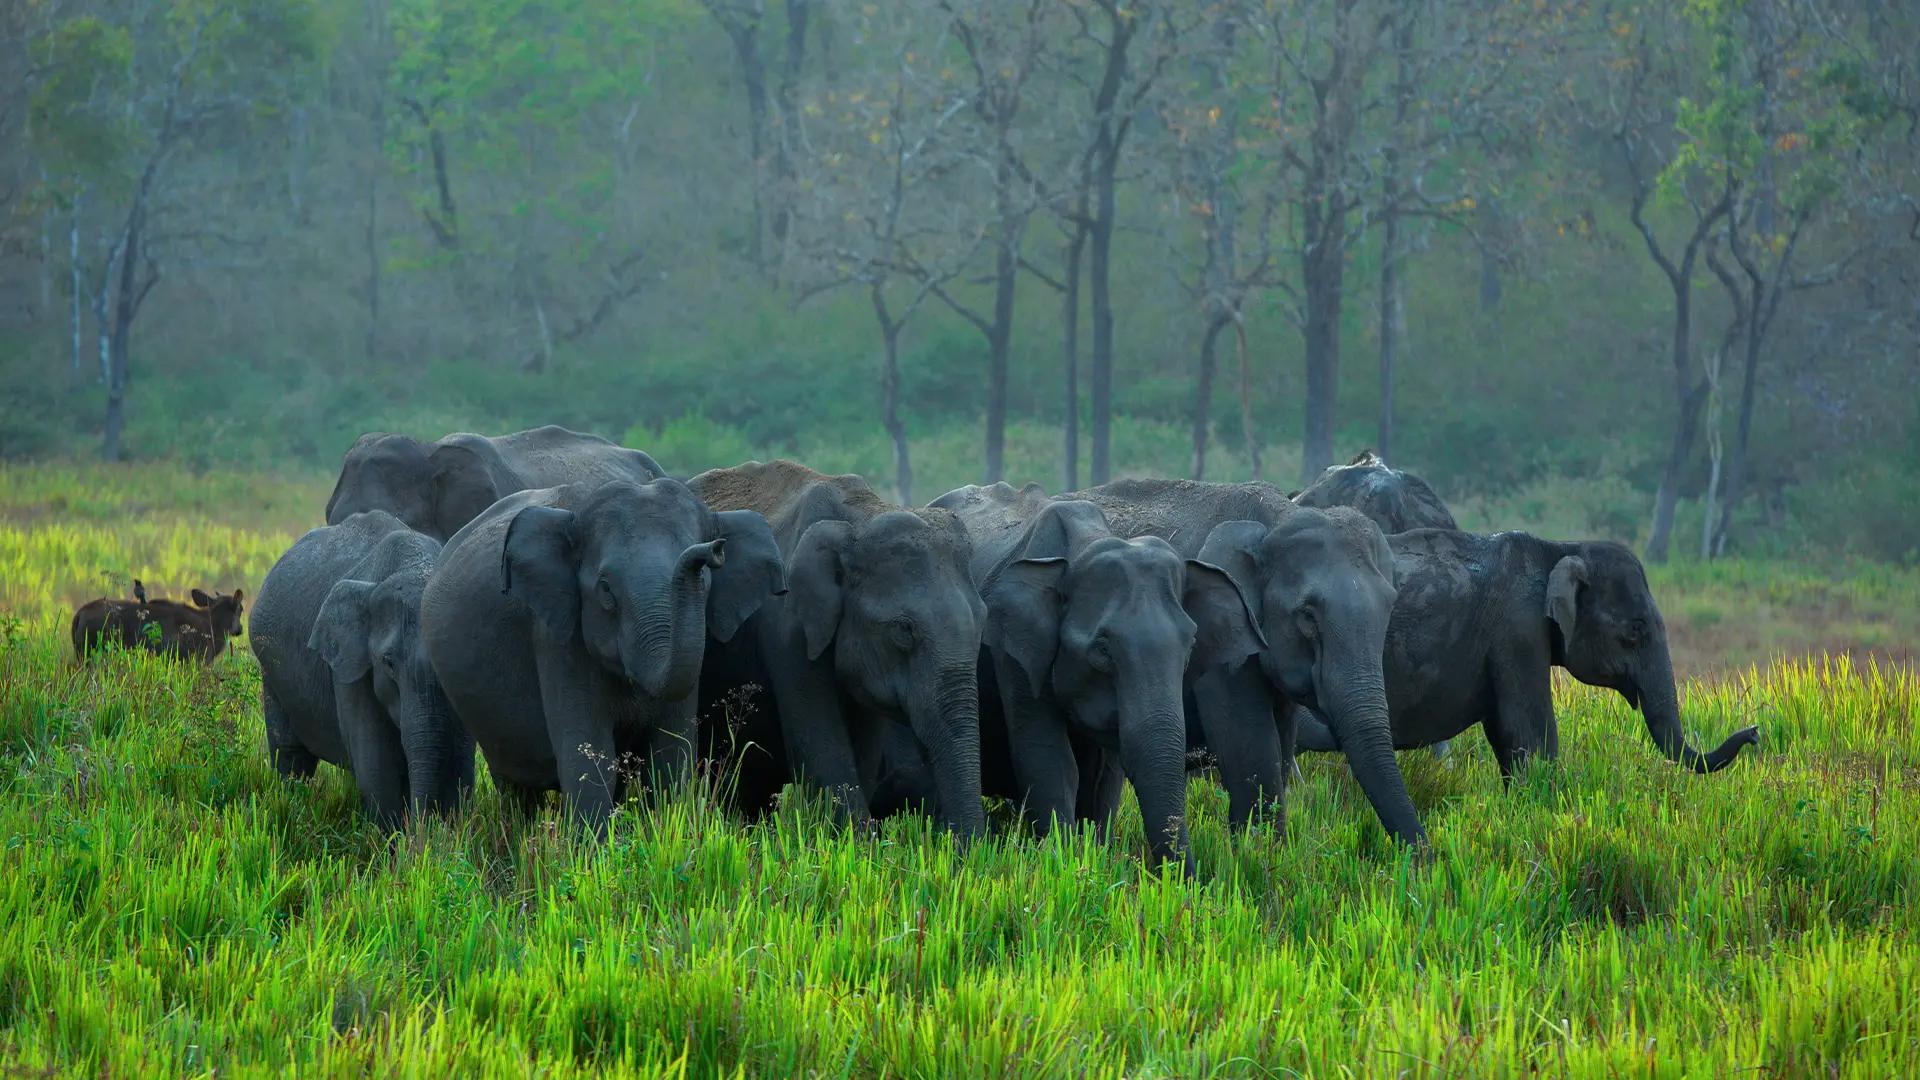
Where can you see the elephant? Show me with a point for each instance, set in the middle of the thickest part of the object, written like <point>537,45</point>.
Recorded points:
<point>438,487</point>
<point>1087,643</point>
<point>1396,500</point>
<point>876,643</point>
<point>1318,586</point>
<point>343,675</point>
<point>568,625</point>
<point>1482,620</point>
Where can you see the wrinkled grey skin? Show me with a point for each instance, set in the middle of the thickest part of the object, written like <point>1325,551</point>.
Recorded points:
<point>1482,620</point>
<point>1087,643</point>
<point>438,487</point>
<point>1320,587</point>
<point>568,626</point>
<point>876,644</point>
<point>1397,501</point>
<point>343,675</point>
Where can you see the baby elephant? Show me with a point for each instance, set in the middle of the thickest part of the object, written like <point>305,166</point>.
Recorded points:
<point>343,674</point>
<point>166,627</point>
<point>1480,623</point>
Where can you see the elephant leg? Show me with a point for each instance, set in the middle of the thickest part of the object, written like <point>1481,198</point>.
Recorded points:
<point>1522,723</point>
<point>290,759</point>
<point>1102,783</point>
<point>580,730</point>
<point>1046,775</point>
<point>374,752</point>
<point>1238,714</point>
<point>815,727</point>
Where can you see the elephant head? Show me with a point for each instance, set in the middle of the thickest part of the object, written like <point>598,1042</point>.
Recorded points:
<point>1321,588</point>
<point>894,601</point>
<point>434,487</point>
<point>1100,624</point>
<point>370,630</point>
<point>638,575</point>
<point>1607,632</point>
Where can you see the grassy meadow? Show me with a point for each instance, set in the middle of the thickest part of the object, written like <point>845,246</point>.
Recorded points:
<point>168,906</point>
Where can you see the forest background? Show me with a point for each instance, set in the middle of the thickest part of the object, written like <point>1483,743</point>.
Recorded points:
<point>1645,271</point>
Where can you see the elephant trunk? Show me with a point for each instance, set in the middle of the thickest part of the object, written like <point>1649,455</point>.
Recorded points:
<point>1356,709</point>
<point>946,719</point>
<point>1659,702</point>
<point>439,752</point>
<point>673,639</point>
<point>1153,753</point>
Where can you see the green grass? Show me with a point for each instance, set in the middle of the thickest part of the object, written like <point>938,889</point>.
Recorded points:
<point>169,906</point>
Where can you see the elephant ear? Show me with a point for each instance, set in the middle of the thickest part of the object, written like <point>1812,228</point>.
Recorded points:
<point>461,489</point>
<point>1062,528</point>
<point>1228,623</point>
<point>339,483</point>
<point>538,567</point>
<point>1563,595</point>
<point>1023,616</point>
<point>752,572</point>
<point>1227,631</point>
<point>816,577</point>
<point>340,631</point>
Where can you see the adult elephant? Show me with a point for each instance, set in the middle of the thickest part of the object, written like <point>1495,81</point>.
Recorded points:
<point>1395,500</point>
<point>1482,621</point>
<point>437,487</point>
<point>1320,589</point>
<point>1086,647</point>
<point>568,625</point>
<point>343,676</point>
<point>880,628</point>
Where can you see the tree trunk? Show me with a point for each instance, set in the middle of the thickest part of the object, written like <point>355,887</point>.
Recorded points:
<point>1713,456</point>
<point>1070,360</point>
<point>373,264</point>
<point>791,65</point>
<point>73,266</point>
<point>1391,323</point>
<point>1688,397</point>
<point>1099,266</point>
<point>1246,398</point>
<point>1000,333</point>
<point>745,38</point>
<point>126,302</point>
<point>1203,395</point>
<point>1322,270</point>
<point>890,394</point>
<point>1737,462</point>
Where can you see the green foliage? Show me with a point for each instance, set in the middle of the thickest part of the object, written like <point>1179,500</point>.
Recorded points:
<point>168,905</point>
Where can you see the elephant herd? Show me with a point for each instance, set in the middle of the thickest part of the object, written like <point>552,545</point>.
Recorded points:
<point>591,623</point>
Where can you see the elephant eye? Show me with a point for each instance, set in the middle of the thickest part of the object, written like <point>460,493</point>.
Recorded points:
<point>386,660</point>
<point>900,631</point>
<point>1307,622</point>
<point>1636,632</point>
<point>1100,655</point>
<point>606,595</point>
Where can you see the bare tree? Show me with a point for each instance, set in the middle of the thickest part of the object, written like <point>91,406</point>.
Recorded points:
<point>1001,40</point>
<point>875,217</point>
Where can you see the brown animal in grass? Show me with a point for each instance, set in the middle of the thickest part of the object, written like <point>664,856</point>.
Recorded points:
<point>167,627</point>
